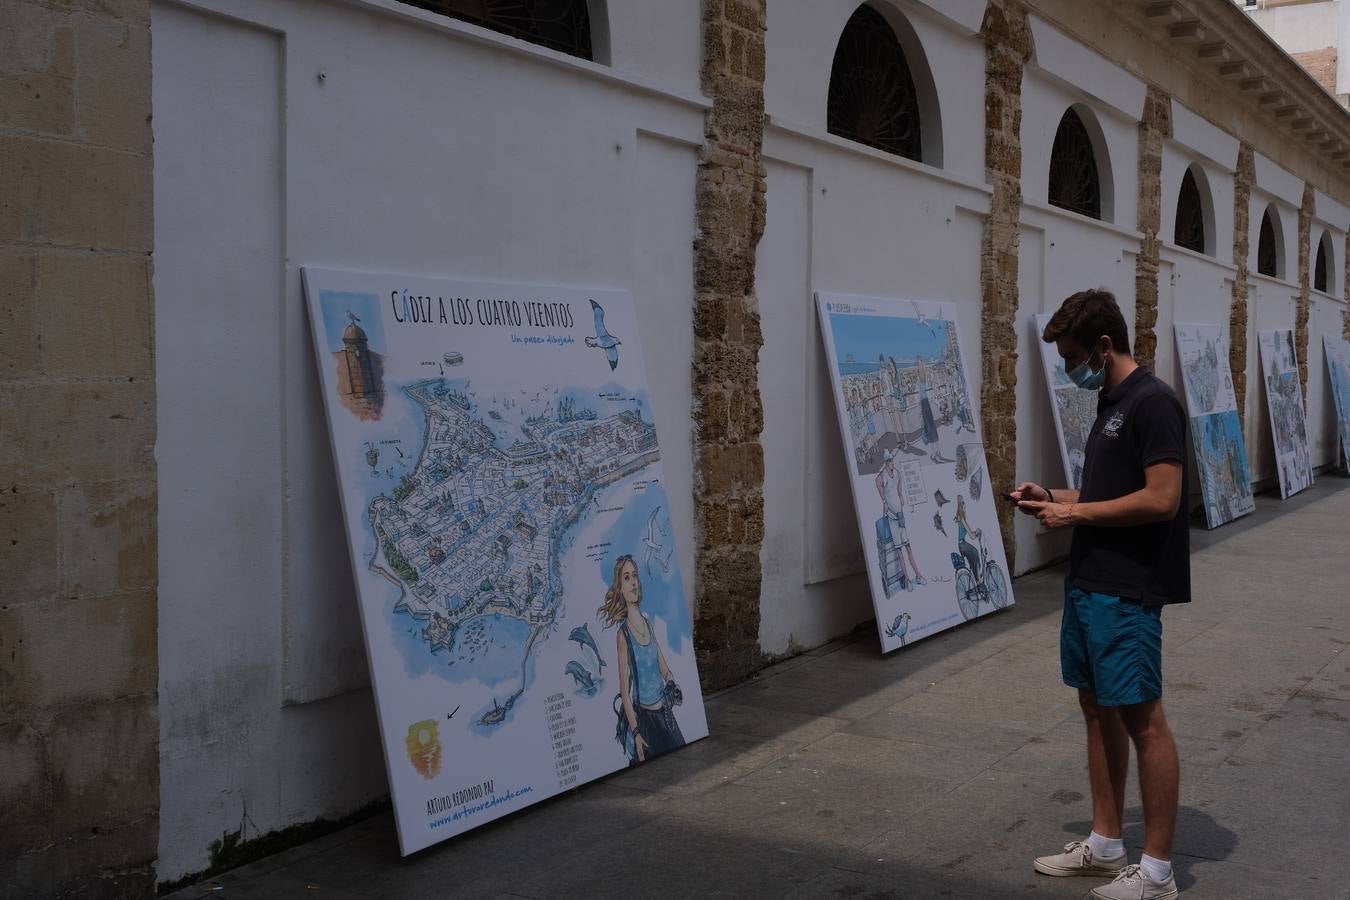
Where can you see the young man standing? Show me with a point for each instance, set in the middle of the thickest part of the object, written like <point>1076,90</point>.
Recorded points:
<point>1129,557</point>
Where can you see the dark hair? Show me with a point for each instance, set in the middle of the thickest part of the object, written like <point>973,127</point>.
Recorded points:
<point>1086,316</point>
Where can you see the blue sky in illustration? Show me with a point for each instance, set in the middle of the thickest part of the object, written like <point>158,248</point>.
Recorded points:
<point>867,337</point>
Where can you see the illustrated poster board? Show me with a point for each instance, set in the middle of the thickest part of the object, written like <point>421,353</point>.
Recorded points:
<point>921,487</point>
<point>1074,408</point>
<point>502,489</point>
<point>1284,396</point>
<point>1338,368</point>
<point>1216,430</point>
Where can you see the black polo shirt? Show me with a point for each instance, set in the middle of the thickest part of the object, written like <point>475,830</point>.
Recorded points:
<point>1139,424</point>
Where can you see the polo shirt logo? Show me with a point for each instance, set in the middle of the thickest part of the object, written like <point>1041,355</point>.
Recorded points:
<point>1112,426</point>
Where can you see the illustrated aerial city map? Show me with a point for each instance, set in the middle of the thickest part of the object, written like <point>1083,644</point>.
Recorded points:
<point>511,539</point>
<point>1216,429</point>
<point>1284,398</point>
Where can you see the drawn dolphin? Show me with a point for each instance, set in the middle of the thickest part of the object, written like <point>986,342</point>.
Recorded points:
<point>585,682</point>
<point>900,627</point>
<point>582,635</point>
<point>603,338</point>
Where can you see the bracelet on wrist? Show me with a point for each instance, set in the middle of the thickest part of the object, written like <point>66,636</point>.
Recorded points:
<point>1050,495</point>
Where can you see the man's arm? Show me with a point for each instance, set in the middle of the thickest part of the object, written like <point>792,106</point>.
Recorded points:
<point>1156,501</point>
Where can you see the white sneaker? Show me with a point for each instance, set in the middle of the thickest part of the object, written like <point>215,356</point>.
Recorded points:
<point>1078,859</point>
<point>1133,884</point>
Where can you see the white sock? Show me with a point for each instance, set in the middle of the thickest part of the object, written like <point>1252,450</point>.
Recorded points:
<point>1156,869</point>
<point>1105,847</point>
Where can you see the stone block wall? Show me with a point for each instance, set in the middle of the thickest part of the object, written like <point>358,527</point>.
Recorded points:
<point>79,736</point>
<point>1007,36</point>
<point>1154,130</point>
<point>1307,209</point>
<point>728,410</point>
<point>1243,178</point>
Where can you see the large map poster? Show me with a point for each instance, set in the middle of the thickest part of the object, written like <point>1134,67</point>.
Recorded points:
<point>1338,368</point>
<point>1216,430</point>
<point>1284,396</point>
<point>921,488</point>
<point>1074,408</point>
<point>511,538</point>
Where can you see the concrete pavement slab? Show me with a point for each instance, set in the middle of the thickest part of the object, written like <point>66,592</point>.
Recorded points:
<point>942,769</point>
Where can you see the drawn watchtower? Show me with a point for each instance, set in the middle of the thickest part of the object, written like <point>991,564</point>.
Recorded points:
<point>360,372</point>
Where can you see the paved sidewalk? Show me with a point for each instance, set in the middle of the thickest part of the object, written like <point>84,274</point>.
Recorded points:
<point>942,769</point>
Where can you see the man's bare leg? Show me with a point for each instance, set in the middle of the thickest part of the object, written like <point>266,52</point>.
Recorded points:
<point>1108,746</point>
<point>1159,773</point>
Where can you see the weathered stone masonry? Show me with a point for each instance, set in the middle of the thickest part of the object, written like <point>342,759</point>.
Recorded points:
<point>1306,210</point>
<point>1007,37</point>
<point>1243,179</point>
<point>1154,129</point>
<point>728,411</point>
<point>79,734</point>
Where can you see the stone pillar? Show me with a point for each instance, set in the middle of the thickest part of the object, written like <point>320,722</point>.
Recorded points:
<point>1007,37</point>
<point>1154,129</point>
<point>79,735</point>
<point>1345,292</point>
<point>728,411</point>
<point>1305,214</point>
<point>1243,179</point>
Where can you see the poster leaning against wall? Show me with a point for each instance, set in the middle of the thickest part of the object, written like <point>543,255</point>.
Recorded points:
<point>921,486</point>
<point>1216,430</point>
<point>1338,369</point>
<point>1074,408</point>
<point>1284,397</point>
<point>510,536</point>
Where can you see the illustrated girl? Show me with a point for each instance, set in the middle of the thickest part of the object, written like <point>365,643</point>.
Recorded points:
<point>648,694</point>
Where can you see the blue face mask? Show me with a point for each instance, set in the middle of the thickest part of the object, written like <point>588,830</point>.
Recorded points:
<point>1088,380</point>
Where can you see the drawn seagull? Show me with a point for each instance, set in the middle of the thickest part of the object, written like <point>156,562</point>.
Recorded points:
<point>923,320</point>
<point>603,338</point>
<point>654,547</point>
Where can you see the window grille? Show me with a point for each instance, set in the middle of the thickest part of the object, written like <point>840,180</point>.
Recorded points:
<point>1190,227</point>
<point>872,96</point>
<point>1074,183</point>
<point>562,25</point>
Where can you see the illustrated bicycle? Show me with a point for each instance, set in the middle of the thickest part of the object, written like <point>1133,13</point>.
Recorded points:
<point>988,586</point>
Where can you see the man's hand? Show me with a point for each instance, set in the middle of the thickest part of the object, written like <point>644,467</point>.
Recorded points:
<point>1029,491</point>
<point>1052,515</point>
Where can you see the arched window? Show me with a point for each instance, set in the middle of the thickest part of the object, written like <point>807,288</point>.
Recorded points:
<point>1190,226</point>
<point>1322,267</point>
<point>873,97</point>
<point>1269,249</point>
<point>562,25</point>
<point>1075,184</point>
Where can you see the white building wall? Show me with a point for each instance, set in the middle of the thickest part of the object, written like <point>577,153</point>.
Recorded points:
<point>383,137</point>
<point>362,135</point>
<point>1299,27</point>
<point>843,217</point>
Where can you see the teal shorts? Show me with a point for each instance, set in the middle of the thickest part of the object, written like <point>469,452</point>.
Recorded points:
<point>1112,647</point>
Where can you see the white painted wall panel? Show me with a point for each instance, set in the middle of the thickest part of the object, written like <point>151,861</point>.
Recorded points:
<point>1044,102</point>
<point>1204,137</point>
<point>1277,181</point>
<point>1077,65</point>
